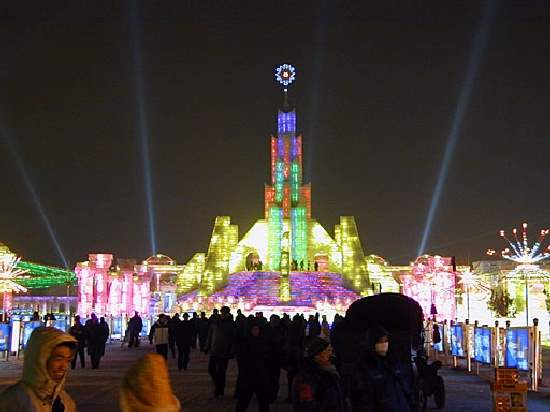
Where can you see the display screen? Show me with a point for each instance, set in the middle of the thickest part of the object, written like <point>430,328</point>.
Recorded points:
<point>4,336</point>
<point>15,326</point>
<point>482,345</point>
<point>61,324</point>
<point>116,331</point>
<point>438,346</point>
<point>457,341</point>
<point>27,330</point>
<point>146,327</point>
<point>517,348</point>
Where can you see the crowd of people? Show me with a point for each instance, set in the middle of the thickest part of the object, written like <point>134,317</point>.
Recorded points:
<point>263,349</point>
<point>93,335</point>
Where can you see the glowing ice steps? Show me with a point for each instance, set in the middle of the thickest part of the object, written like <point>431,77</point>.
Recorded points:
<point>251,289</point>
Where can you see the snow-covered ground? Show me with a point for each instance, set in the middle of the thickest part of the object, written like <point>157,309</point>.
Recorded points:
<point>97,390</point>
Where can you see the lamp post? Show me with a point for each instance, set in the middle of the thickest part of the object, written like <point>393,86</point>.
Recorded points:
<point>467,279</point>
<point>526,299</point>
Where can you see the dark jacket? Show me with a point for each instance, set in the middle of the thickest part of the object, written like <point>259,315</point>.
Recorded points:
<point>203,325</point>
<point>293,346</point>
<point>97,336</point>
<point>78,332</point>
<point>184,333</point>
<point>253,356</point>
<point>135,324</point>
<point>380,385</point>
<point>317,389</point>
<point>104,336</point>
<point>221,338</point>
<point>173,324</point>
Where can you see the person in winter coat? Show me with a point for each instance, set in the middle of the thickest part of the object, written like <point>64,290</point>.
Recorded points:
<point>317,385</point>
<point>77,331</point>
<point>47,361</point>
<point>313,326</point>
<point>325,328</point>
<point>293,351</point>
<point>184,339</point>
<point>276,335</point>
<point>379,384</point>
<point>97,336</point>
<point>146,387</point>
<point>195,323</point>
<point>105,334</point>
<point>254,355</point>
<point>173,324</point>
<point>159,334</point>
<point>135,324</point>
<point>202,330</point>
<point>220,346</point>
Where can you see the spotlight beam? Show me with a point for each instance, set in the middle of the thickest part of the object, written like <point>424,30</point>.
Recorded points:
<point>34,195</point>
<point>141,113</point>
<point>319,48</point>
<point>476,55</point>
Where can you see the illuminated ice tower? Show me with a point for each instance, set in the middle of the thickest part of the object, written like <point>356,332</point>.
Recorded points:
<point>287,201</point>
<point>286,258</point>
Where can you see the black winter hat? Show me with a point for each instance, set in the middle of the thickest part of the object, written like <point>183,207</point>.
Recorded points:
<point>315,346</point>
<point>374,334</point>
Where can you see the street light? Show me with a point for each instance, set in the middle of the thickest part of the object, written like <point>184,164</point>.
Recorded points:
<point>467,279</point>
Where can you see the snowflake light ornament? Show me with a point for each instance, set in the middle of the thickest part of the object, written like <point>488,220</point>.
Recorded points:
<point>285,74</point>
<point>520,251</point>
<point>8,272</point>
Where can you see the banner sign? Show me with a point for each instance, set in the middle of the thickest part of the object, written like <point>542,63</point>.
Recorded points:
<point>457,341</point>
<point>28,329</point>
<point>517,348</point>
<point>482,345</point>
<point>4,336</point>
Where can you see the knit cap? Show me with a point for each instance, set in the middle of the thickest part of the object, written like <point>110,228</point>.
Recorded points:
<point>315,346</point>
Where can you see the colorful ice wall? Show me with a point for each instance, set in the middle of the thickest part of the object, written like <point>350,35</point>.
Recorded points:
<point>432,283</point>
<point>114,292</point>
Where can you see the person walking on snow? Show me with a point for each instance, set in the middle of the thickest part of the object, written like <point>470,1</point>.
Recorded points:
<point>77,331</point>
<point>135,324</point>
<point>184,340</point>
<point>159,334</point>
<point>220,346</point>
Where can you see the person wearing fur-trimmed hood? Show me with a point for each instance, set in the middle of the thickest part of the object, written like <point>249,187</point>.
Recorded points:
<point>47,361</point>
<point>146,387</point>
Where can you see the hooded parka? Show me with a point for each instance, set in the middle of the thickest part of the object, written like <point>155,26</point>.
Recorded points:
<point>36,391</point>
<point>146,387</point>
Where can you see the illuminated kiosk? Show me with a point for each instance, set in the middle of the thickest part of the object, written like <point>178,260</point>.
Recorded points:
<point>287,261</point>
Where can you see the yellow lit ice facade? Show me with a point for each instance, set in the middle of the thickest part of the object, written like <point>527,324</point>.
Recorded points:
<point>191,275</point>
<point>381,275</point>
<point>223,241</point>
<point>354,265</point>
<point>343,254</point>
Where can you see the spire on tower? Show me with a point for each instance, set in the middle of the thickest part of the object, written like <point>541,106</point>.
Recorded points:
<point>285,74</point>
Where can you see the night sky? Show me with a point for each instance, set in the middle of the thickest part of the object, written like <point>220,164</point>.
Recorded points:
<point>375,95</point>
